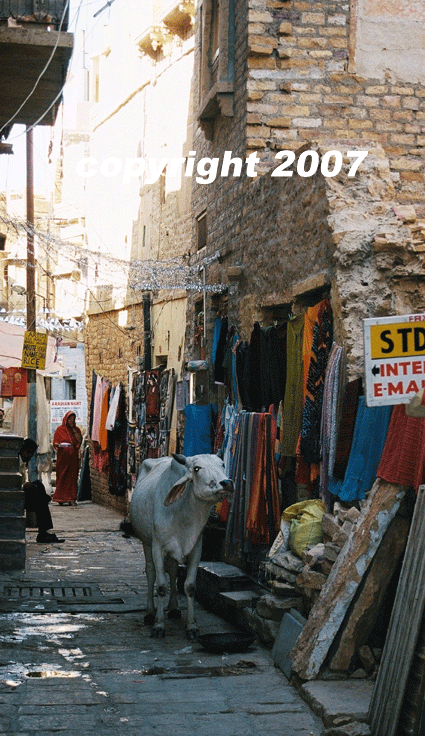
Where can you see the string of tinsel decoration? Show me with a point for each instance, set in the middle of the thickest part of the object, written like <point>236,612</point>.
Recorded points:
<point>138,275</point>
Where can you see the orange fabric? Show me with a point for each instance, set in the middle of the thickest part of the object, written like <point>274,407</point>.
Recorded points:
<point>310,319</point>
<point>103,432</point>
<point>302,474</point>
<point>258,512</point>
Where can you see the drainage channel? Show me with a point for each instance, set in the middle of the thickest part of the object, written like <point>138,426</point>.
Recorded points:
<point>68,597</point>
<point>243,667</point>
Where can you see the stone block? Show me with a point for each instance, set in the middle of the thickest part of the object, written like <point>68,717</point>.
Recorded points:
<point>10,445</point>
<point>310,556</point>
<point>330,525</point>
<point>273,607</point>
<point>10,480</point>
<point>12,527</point>
<point>336,699</point>
<point>290,628</point>
<point>285,29</point>
<point>406,213</point>
<point>240,598</point>
<point>311,579</point>
<point>266,629</point>
<point>12,554</point>
<point>279,122</point>
<point>281,589</point>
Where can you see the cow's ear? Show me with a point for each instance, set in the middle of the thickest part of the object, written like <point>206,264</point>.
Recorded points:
<point>176,491</point>
<point>180,459</point>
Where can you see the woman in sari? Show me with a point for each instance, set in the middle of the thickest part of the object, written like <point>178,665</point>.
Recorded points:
<point>66,442</point>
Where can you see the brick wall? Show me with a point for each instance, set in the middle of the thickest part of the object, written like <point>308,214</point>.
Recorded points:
<point>295,86</point>
<point>302,87</point>
<point>110,348</point>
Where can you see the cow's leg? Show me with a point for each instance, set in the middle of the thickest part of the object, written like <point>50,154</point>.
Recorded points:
<point>150,575</point>
<point>158,630</point>
<point>173,603</point>
<point>192,630</point>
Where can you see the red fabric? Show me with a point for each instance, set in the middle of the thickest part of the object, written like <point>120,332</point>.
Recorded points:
<point>403,458</point>
<point>14,382</point>
<point>67,462</point>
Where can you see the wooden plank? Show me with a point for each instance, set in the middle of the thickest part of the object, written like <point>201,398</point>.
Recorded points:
<point>362,615</point>
<point>329,611</point>
<point>390,685</point>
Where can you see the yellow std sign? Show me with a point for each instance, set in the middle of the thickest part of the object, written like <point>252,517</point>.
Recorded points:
<point>394,358</point>
<point>34,350</point>
<point>397,340</point>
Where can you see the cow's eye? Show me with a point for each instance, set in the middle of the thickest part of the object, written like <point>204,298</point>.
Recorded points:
<point>196,468</point>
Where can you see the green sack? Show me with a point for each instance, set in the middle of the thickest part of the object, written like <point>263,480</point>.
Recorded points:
<point>306,524</point>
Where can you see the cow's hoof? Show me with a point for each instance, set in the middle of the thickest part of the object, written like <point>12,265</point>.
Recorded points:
<point>192,634</point>
<point>149,619</point>
<point>157,633</point>
<point>174,613</point>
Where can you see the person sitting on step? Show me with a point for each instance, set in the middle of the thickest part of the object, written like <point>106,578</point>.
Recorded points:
<point>36,498</point>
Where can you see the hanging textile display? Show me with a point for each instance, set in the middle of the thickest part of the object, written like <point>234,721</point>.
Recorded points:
<point>403,458</point>
<point>84,481</point>
<point>13,382</point>
<point>254,511</point>
<point>350,402</point>
<point>311,416</point>
<point>152,393</point>
<point>293,403</point>
<point>199,429</point>
<point>97,409</point>
<point>220,351</point>
<point>117,445</point>
<point>335,380</point>
<point>370,433</point>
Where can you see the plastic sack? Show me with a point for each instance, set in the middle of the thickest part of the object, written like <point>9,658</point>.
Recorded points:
<point>281,542</point>
<point>306,524</point>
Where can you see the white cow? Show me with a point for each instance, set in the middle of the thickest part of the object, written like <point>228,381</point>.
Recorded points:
<point>169,508</point>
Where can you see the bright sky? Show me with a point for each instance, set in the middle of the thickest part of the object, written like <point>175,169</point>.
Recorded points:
<point>13,168</point>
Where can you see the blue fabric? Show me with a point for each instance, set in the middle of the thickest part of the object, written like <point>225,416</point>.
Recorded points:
<point>370,432</point>
<point>217,328</point>
<point>199,429</point>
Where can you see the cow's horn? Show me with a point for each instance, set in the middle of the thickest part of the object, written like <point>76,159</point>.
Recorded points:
<point>180,459</point>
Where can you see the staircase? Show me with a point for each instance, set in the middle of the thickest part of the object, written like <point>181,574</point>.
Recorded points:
<point>12,516</point>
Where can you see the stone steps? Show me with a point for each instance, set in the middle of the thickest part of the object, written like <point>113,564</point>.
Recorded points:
<point>12,514</point>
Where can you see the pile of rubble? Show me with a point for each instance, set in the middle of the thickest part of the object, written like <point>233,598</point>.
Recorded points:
<point>337,574</point>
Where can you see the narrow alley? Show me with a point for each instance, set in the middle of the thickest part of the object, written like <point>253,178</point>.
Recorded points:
<point>77,658</point>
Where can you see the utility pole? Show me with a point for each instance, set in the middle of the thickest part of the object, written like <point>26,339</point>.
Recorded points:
<point>31,326</point>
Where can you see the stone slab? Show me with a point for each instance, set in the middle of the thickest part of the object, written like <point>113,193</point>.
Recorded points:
<point>12,554</point>
<point>240,598</point>
<point>338,698</point>
<point>290,628</point>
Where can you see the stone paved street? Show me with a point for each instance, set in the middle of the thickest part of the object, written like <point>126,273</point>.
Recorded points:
<point>76,658</point>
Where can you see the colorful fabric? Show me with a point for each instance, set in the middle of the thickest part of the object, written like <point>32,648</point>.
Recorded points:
<point>13,382</point>
<point>97,408</point>
<point>311,417</point>
<point>370,433</point>
<point>350,403</point>
<point>293,402</point>
<point>199,429</point>
<point>403,458</point>
<point>117,448</point>
<point>335,379</point>
<point>103,432</point>
<point>67,461</point>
